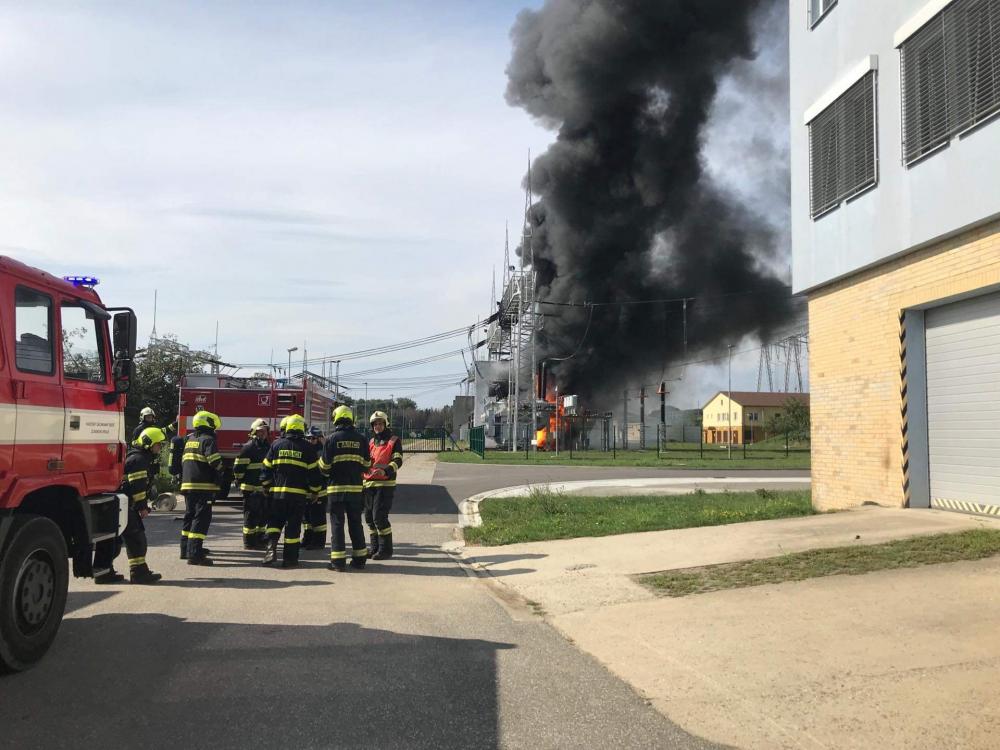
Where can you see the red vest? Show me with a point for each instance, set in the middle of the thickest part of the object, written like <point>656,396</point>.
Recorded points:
<point>381,454</point>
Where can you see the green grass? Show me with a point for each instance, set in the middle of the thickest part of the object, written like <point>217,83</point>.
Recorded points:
<point>545,515</point>
<point>854,560</point>
<point>714,458</point>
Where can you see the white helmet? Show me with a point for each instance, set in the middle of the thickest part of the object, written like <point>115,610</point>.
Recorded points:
<point>147,411</point>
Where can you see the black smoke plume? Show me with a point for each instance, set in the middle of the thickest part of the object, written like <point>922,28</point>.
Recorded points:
<point>627,210</point>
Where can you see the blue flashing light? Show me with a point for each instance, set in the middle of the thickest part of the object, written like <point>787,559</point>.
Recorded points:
<point>88,282</point>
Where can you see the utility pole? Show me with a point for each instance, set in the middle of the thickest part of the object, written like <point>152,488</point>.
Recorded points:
<point>558,425</point>
<point>662,391</point>
<point>366,404</point>
<point>642,417</point>
<point>527,241</point>
<point>288,372</point>
<point>625,419</point>
<point>336,381</point>
<point>730,406</point>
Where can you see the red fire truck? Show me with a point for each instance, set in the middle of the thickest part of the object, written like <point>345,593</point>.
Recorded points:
<point>63,376</point>
<point>239,401</point>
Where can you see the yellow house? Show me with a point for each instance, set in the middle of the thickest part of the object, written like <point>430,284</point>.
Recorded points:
<point>746,415</point>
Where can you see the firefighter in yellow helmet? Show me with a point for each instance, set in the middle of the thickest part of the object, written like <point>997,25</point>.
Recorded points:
<point>201,474</point>
<point>291,476</point>
<point>344,461</point>
<point>386,451</point>
<point>246,471</point>
<point>136,486</point>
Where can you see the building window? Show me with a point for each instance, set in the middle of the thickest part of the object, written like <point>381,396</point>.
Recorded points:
<point>818,9</point>
<point>843,153</point>
<point>951,75</point>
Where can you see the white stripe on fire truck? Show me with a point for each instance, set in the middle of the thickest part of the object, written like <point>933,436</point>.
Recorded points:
<point>234,423</point>
<point>45,425</point>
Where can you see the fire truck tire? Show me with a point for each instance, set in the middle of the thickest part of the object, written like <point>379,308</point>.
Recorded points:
<point>34,576</point>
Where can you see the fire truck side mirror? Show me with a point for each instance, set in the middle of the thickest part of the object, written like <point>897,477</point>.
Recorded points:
<point>125,325</point>
<point>124,373</point>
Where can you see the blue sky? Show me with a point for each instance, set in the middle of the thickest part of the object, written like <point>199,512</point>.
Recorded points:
<point>335,173</point>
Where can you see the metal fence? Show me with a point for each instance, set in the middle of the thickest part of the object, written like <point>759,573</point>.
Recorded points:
<point>778,446</point>
<point>427,440</point>
<point>477,441</point>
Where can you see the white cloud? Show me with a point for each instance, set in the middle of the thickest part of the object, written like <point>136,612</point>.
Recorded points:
<point>337,173</point>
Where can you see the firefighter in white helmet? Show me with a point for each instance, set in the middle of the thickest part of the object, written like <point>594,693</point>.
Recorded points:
<point>246,471</point>
<point>386,451</point>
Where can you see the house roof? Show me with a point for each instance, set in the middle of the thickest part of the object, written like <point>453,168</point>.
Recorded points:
<point>761,398</point>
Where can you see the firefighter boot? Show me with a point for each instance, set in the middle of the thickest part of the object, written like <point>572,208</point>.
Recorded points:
<point>109,576</point>
<point>290,557</point>
<point>384,547</point>
<point>184,548</point>
<point>143,575</point>
<point>196,554</point>
<point>271,556</point>
<point>339,564</point>
<point>373,546</point>
<point>358,558</point>
<point>307,539</point>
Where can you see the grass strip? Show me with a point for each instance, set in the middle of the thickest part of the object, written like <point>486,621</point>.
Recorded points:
<point>714,458</point>
<point>546,515</point>
<point>854,560</point>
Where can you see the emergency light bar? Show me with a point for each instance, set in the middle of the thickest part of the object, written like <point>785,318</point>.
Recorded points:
<point>88,282</point>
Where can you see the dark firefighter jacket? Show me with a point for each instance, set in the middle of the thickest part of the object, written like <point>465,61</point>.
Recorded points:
<point>386,449</point>
<point>201,464</point>
<point>247,467</point>
<point>291,468</point>
<point>345,459</point>
<point>136,482</point>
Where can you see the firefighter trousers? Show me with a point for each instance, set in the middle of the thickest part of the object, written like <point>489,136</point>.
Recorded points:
<point>197,519</point>
<point>347,505</point>
<point>314,524</point>
<point>254,515</point>
<point>378,503</point>
<point>133,537</point>
<point>286,513</point>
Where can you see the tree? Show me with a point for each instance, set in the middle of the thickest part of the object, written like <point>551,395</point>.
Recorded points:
<point>158,372</point>
<point>793,421</point>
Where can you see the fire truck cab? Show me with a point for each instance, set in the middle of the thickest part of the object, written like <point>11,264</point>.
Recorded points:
<point>63,376</point>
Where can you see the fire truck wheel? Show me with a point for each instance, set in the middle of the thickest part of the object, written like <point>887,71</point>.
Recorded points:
<point>34,575</point>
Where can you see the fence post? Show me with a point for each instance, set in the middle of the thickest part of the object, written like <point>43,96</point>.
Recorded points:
<point>744,446</point>
<point>527,443</point>
<point>701,443</point>
<point>614,443</point>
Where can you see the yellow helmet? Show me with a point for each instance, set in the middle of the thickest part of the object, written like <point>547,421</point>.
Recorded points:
<point>380,415</point>
<point>294,423</point>
<point>149,437</point>
<point>341,413</point>
<point>206,419</point>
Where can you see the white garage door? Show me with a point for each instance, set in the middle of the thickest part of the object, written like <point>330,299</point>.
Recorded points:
<point>963,404</point>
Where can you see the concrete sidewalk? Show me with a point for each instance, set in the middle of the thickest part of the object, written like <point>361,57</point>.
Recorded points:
<point>894,659</point>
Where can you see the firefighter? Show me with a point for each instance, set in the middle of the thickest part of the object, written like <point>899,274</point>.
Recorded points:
<point>291,477</point>
<point>201,472</point>
<point>246,471</point>
<point>380,484</point>
<point>344,461</point>
<point>135,484</point>
<point>314,521</point>
<point>147,418</point>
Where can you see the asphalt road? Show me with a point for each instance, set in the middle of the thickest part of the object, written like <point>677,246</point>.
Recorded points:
<point>409,653</point>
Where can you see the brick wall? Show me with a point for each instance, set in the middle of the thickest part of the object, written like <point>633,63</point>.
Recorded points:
<point>854,363</point>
